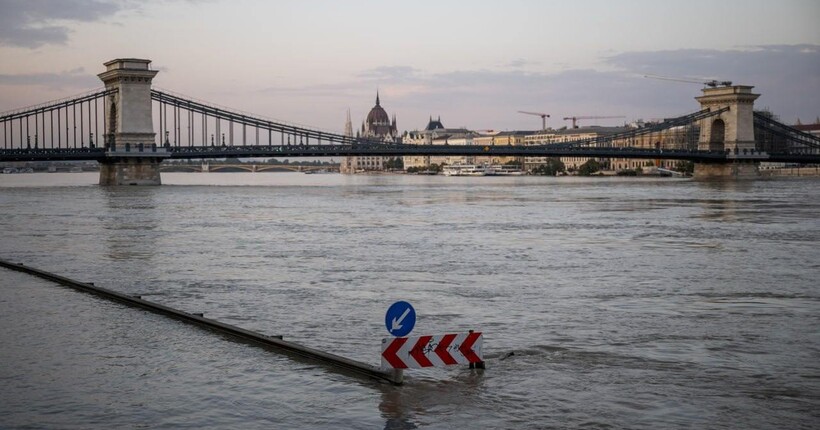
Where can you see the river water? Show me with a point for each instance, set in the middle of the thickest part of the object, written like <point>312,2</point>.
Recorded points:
<point>604,303</point>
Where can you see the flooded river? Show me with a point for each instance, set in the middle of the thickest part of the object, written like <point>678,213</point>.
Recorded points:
<point>604,302</point>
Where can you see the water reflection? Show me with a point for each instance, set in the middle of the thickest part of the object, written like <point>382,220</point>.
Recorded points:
<point>724,198</point>
<point>724,185</point>
<point>719,210</point>
<point>130,223</point>
<point>395,409</point>
<point>407,406</point>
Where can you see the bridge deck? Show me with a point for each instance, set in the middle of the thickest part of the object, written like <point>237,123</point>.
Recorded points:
<point>397,150</point>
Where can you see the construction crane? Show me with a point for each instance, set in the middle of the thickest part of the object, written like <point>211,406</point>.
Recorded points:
<point>576,118</point>
<point>711,83</point>
<point>543,116</point>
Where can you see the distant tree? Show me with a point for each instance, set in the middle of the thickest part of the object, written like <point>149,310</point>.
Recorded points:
<point>552,167</point>
<point>395,163</point>
<point>588,168</point>
<point>431,168</point>
<point>684,166</point>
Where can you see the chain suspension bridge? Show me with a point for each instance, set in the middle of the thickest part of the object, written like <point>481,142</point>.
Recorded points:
<point>130,127</point>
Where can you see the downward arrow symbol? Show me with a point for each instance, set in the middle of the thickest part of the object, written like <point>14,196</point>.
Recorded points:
<point>397,323</point>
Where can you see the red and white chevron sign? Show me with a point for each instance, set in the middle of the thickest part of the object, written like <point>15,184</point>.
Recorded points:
<point>431,351</point>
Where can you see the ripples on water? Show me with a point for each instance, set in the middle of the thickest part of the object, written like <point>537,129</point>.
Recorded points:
<point>615,303</point>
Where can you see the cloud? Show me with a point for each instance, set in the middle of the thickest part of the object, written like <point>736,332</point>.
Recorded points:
<point>33,23</point>
<point>72,79</point>
<point>520,63</point>
<point>785,75</point>
<point>478,99</point>
<point>390,73</point>
<point>750,64</point>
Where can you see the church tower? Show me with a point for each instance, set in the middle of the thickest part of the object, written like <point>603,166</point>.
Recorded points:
<point>347,162</point>
<point>348,125</point>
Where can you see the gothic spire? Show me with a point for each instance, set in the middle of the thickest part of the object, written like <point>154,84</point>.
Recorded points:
<point>377,97</point>
<point>348,125</point>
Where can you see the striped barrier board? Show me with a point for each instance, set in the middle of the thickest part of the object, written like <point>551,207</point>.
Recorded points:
<point>431,351</point>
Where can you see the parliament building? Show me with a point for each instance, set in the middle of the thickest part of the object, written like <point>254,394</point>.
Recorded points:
<point>377,126</point>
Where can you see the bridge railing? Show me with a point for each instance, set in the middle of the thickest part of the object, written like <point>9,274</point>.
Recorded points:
<point>627,136</point>
<point>777,138</point>
<point>66,124</point>
<point>195,123</point>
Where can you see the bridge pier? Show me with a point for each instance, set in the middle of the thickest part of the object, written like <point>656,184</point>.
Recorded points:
<point>737,170</point>
<point>130,171</point>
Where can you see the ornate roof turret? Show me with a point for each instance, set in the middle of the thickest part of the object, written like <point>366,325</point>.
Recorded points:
<point>434,124</point>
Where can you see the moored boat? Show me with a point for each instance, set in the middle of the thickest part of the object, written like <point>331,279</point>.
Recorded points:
<point>464,170</point>
<point>506,170</point>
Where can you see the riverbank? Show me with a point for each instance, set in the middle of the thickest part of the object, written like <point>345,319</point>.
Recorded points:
<point>792,171</point>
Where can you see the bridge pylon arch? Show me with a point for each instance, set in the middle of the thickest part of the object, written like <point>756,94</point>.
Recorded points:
<point>132,156</point>
<point>731,132</point>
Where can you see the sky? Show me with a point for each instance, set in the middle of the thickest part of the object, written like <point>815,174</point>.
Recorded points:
<point>473,63</point>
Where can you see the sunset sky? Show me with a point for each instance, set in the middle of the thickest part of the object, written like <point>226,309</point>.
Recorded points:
<point>474,63</point>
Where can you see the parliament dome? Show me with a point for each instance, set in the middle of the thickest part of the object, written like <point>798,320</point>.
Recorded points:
<point>378,123</point>
<point>377,115</point>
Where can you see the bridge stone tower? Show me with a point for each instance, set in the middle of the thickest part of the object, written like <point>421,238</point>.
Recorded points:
<point>731,131</point>
<point>132,155</point>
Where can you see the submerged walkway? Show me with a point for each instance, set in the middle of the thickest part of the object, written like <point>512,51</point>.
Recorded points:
<point>335,361</point>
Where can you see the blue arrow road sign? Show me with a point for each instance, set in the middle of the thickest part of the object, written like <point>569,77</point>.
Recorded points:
<point>400,318</point>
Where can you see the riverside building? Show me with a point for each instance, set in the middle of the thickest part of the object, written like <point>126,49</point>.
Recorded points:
<point>683,137</point>
<point>498,138</point>
<point>436,134</point>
